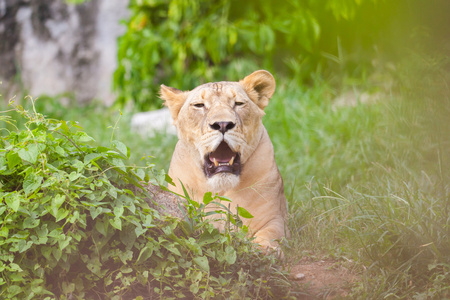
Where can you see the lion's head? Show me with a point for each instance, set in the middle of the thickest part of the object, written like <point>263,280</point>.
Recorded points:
<point>221,122</point>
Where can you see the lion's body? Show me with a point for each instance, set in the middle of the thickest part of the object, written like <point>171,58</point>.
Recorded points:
<point>224,148</point>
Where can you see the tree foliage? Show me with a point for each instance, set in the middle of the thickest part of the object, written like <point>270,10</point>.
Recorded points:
<point>186,42</point>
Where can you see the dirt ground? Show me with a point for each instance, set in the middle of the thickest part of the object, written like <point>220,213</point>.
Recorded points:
<point>324,279</point>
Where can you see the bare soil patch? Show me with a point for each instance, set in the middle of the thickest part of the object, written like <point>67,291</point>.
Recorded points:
<point>324,279</point>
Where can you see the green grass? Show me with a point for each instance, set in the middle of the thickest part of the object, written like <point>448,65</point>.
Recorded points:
<point>368,183</point>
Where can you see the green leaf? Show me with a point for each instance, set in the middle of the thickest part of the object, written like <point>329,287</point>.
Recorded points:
<point>64,126</point>
<point>49,182</point>
<point>68,288</point>
<point>4,231</point>
<point>13,200</point>
<point>139,230</point>
<point>30,223</point>
<point>145,253</point>
<point>42,231</point>
<point>128,237</point>
<point>208,238</point>
<point>202,262</point>
<point>13,159</point>
<point>31,183</point>
<point>116,223</point>
<point>95,211</point>
<point>194,287</point>
<point>15,267</point>
<point>83,138</point>
<point>121,148</point>
<point>113,192</point>
<point>3,163</point>
<point>46,251</point>
<point>64,243</point>
<point>140,173</point>
<point>244,213</point>
<point>61,214</point>
<point>102,227</point>
<point>78,165</point>
<point>57,253</point>
<point>57,201</point>
<point>14,290</point>
<point>169,180</point>
<point>173,249</point>
<point>60,151</point>
<point>74,176</point>
<point>230,255</point>
<point>118,211</point>
<point>91,157</point>
<point>29,154</point>
<point>116,162</point>
<point>148,221</point>
<point>23,245</point>
<point>226,199</point>
<point>207,198</point>
<point>16,277</point>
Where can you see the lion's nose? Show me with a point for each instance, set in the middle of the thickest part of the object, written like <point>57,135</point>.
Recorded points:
<point>222,126</point>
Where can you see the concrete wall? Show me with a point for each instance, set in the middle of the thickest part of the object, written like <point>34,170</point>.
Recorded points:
<point>51,47</point>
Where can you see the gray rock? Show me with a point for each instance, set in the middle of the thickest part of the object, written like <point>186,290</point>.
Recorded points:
<point>56,48</point>
<point>149,123</point>
<point>299,276</point>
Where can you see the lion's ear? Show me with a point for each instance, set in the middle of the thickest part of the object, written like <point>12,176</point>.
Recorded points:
<point>259,86</point>
<point>173,99</point>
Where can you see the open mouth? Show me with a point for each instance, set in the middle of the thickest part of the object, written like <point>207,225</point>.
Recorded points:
<point>222,160</point>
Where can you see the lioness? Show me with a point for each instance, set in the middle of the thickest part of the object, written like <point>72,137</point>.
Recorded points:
<point>224,148</point>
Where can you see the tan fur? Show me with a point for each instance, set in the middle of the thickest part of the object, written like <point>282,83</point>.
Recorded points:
<point>259,187</point>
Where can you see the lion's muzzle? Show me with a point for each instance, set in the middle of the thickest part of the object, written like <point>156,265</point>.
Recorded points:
<point>222,160</point>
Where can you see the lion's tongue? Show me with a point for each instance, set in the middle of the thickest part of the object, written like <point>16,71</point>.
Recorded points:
<point>223,154</point>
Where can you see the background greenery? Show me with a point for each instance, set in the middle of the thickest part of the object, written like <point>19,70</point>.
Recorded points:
<point>367,183</point>
<point>224,39</point>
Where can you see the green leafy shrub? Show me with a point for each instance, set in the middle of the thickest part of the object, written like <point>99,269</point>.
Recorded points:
<point>76,222</point>
<point>184,43</point>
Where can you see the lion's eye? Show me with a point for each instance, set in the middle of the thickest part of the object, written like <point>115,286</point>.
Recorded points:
<point>238,103</point>
<point>199,105</point>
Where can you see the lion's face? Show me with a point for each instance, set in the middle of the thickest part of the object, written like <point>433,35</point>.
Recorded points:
<point>222,122</point>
